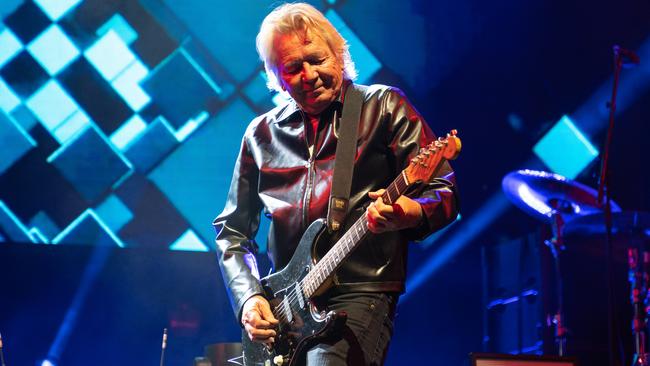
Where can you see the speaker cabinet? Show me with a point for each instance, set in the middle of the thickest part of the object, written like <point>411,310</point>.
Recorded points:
<point>493,359</point>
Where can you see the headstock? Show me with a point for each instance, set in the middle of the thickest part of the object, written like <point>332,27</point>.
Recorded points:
<point>428,161</point>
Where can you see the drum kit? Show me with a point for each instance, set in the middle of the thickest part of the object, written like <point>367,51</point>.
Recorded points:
<point>572,208</point>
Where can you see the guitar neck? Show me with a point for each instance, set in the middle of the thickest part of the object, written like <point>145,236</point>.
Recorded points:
<point>349,241</point>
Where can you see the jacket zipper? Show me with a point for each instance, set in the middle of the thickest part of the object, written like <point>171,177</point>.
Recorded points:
<point>310,168</point>
<point>307,197</point>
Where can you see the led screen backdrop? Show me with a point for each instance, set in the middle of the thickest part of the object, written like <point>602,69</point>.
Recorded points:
<point>120,120</point>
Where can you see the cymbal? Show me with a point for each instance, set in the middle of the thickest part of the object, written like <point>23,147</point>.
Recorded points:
<point>539,194</point>
<point>626,222</point>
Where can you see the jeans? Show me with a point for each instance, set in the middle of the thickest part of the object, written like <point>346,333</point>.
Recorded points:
<point>366,334</point>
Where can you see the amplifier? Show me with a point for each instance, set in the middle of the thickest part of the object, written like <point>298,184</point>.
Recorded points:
<point>493,359</point>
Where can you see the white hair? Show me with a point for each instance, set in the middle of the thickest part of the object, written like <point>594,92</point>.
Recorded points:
<point>299,17</point>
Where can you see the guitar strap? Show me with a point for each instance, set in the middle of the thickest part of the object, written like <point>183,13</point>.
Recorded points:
<point>346,148</point>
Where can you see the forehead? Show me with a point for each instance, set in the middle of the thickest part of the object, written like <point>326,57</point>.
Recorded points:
<point>298,45</point>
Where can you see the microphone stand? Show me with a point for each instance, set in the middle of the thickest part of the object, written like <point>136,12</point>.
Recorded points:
<point>163,347</point>
<point>603,191</point>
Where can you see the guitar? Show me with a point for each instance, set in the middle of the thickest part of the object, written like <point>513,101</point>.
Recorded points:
<point>291,291</point>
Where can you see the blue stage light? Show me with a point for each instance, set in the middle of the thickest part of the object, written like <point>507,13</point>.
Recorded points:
<point>129,132</point>
<point>12,226</point>
<point>8,100</point>
<point>47,363</point>
<point>110,55</point>
<point>119,25</point>
<point>52,105</point>
<point>189,241</point>
<point>55,9</point>
<point>366,63</point>
<point>73,125</point>
<point>565,149</point>
<point>53,50</point>
<point>15,142</point>
<point>127,84</point>
<point>10,46</point>
<point>114,213</point>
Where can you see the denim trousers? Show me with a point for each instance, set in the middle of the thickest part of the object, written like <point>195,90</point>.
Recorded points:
<point>365,337</point>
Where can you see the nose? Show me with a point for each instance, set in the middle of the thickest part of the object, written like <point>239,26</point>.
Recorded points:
<point>308,72</point>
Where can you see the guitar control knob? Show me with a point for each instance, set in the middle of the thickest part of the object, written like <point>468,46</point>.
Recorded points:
<point>278,360</point>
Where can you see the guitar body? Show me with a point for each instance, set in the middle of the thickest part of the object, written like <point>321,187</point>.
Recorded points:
<point>304,323</point>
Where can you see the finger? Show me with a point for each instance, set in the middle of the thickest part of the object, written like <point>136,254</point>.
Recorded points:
<point>376,194</point>
<point>376,222</point>
<point>392,212</point>
<point>253,318</point>
<point>257,334</point>
<point>267,315</point>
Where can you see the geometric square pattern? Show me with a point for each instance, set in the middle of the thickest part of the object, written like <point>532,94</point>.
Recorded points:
<point>90,164</point>
<point>189,241</point>
<point>152,146</point>
<point>8,100</point>
<point>129,131</point>
<point>55,9</point>
<point>22,115</point>
<point>94,95</point>
<point>15,142</point>
<point>24,74</point>
<point>180,88</point>
<point>10,45</point>
<point>109,55</point>
<point>127,84</point>
<point>53,49</point>
<point>52,105</point>
<point>366,63</point>
<point>114,213</point>
<point>27,21</point>
<point>88,229</point>
<point>565,149</point>
<point>119,25</point>
<point>130,112</point>
<point>77,122</point>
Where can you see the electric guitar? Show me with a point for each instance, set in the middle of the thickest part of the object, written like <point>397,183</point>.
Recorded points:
<point>291,291</point>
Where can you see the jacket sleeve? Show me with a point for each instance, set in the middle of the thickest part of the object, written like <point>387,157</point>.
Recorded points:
<point>407,133</point>
<point>236,227</point>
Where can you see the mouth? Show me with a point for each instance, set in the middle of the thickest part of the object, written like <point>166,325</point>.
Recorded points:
<point>315,91</point>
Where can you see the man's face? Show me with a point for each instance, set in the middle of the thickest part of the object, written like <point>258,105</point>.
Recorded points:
<point>308,70</point>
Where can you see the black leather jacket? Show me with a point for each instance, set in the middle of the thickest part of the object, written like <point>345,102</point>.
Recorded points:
<point>275,172</point>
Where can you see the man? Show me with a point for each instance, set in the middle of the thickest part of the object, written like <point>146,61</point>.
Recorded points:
<point>285,168</point>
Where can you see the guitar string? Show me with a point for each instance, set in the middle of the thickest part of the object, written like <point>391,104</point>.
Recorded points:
<point>292,297</point>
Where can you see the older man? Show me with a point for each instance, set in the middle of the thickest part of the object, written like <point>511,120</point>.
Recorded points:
<point>285,169</point>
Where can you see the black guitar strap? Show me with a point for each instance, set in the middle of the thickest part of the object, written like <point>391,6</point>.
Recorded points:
<point>345,153</point>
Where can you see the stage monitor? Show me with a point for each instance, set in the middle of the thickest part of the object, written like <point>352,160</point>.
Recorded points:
<point>491,359</point>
